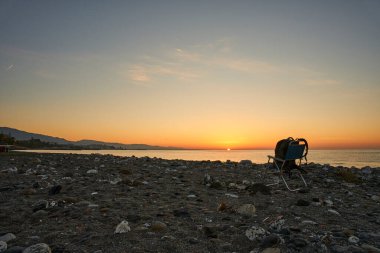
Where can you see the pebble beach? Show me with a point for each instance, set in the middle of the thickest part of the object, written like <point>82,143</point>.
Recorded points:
<point>103,203</point>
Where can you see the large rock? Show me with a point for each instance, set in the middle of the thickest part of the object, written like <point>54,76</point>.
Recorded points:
<point>38,248</point>
<point>123,227</point>
<point>7,237</point>
<point>255,233</point>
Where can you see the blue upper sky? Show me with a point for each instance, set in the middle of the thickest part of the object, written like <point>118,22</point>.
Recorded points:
<point>70,54</point>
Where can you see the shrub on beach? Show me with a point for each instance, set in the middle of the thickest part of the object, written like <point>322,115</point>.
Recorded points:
<point>349,177</point>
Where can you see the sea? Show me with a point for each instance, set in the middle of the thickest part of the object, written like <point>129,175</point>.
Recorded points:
<point>348,157</point>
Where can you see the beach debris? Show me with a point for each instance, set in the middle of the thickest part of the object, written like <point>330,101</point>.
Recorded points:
<point>247,209</point>
<point>38,248</point>
<point>222,207</point>
<point>123,227</point>
<point>255,233</point>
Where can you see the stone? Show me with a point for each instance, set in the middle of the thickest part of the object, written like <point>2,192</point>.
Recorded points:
<point>271,250</point>
<point>207,179</point>
<point>247,209</point>
<point>55,189</point>
<point>40,205</point>
<point>353,239</point>
<point>231,195</point>
<point>123,227</point>
<point>277,225</point>
<point>270,241</point>
<point>3,246</point>
<point>258,187</point>
<point>246,163</point>
<point>255,233</point>
<point>14,249</point>
<point>328,202</point>
<point>7,237</point>
<point>210,231</point>
<point>375,198</point>
<point>158,226</point>
<point>333,212</point>
<point>309,222</point>
<point>38,248</point>
<point>370,248</point>
<point>92,171</point>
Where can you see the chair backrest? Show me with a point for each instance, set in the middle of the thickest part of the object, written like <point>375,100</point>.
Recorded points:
<point>295,152</point>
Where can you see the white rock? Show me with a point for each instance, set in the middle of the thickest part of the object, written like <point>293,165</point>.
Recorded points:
<point>333,211</point>
<point>328,202</point>
<point>92,171</point>
<point>115,180</point>
<point>191,196</point>
<point>255,233</point>
<point>309,222</point>
<point>7,237</point>
<point>123,227</point>
<point>231,195</point>
<point>247,209</point>
<point>353,239</point>
<point>3,246</point>
<point>38,248</point>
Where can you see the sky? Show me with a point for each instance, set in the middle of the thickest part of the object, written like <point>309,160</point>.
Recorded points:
<point>211,74</point>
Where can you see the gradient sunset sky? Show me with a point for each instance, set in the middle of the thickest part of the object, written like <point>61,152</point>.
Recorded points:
<point>195,74</point>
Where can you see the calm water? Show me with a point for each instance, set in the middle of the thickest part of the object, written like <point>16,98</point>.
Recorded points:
<point>348,158</point>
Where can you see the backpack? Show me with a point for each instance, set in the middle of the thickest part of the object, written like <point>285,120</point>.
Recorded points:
<point>282,148</point>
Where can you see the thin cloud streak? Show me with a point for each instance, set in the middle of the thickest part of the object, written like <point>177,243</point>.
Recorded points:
<point>10,67</point>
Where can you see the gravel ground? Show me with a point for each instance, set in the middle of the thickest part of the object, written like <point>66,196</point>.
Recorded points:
<point>103,203</point>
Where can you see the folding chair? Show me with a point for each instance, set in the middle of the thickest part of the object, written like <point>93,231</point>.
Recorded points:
<point>294,154</point>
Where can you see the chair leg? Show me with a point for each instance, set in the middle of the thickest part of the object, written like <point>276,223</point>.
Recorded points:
<point>287,186</point>
<point>267,173</point>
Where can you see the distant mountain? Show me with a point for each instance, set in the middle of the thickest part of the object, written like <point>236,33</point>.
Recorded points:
<point>22,136</point>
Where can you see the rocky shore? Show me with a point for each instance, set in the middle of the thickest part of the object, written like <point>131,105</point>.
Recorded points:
<point>102,203</point>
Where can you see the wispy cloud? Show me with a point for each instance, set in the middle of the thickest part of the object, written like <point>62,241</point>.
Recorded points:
<point>138,73</point>
<point>321,82</point>
<point>201,61</point>
<point>10,67</point>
